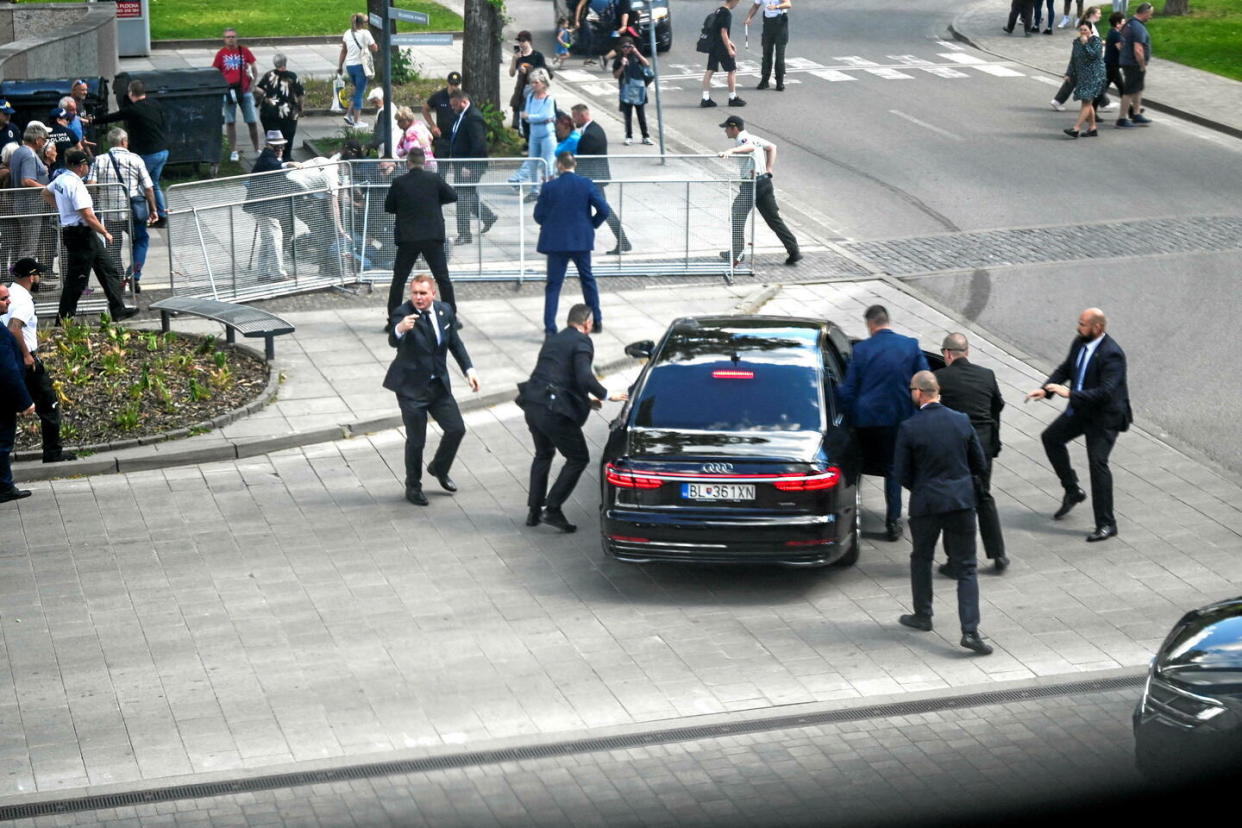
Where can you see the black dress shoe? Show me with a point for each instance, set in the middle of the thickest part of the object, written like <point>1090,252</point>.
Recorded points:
<point>916,621</point>
<point>1071,499</point>
<point>487,224</point>
<point>555,517</point>
<point>415,495</point>
<point>60,457</point>
<point>892,530</point>
<point>973,641</point>
<point>464,238</point>
<point>794,258</point>
<point>13,493</point>
<point>1102,533</point>
<point>1000,564</point>
<point>597,327</point>
<point>533,516</point>
<point>780,87</point>
<point>622,247</point>
<point>762,85</point>
<point>445,481</point>
<point>947,571</point>
<point>124,314</point>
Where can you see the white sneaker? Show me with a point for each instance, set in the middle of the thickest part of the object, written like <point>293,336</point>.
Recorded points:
<point>629,141</point>
<point>360,124</point>
<point>234,156</point>
<point>1057,105</point>
<point>649,142</point>
<point>349,119</point>
<point>1065,21</point>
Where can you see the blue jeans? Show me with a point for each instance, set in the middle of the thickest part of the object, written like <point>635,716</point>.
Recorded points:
<point>141,240</point>
<point>1052,13</point>
<point>358,77</point>
<point>8,433</point>
<point>155,168</point>
<point>541,146</point>
<point>557,264</point>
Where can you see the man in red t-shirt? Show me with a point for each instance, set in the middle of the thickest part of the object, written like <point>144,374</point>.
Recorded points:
<point>237,64</point>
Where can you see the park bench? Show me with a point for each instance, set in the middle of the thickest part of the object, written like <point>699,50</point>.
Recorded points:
<point>252,322</point>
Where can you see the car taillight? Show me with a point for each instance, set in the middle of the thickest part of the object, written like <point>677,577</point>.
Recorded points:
<point>629,480</point>
<point>729,373</point>
<point>825,480</point>
<point>627,539</point>
<point>816,542</point>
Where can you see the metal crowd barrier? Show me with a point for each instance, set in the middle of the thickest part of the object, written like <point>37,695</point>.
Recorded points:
<point>263,235</point>
<point>29,227</point>
<point>678,215</point>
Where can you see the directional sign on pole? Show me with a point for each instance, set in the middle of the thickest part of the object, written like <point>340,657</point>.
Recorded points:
<point>408,16</point>
<point>422,40</point>
<point>376,20</point>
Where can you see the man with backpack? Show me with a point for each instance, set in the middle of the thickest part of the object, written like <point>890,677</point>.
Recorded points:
<point>721,53</point>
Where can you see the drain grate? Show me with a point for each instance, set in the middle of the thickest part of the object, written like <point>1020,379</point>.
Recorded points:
<point>549,750</point>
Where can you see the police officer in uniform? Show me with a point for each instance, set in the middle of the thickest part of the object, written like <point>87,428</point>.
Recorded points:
<point>775,36</point>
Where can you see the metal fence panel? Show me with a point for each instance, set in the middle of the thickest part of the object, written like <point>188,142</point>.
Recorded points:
<point>29,227</point>
<point>262,235</point>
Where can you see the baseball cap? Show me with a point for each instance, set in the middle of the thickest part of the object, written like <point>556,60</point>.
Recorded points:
<point>733,121</point>
<point>59,112</point>
<point>454,78</point>
<point>24,267</point>
<point>6,108</point>
<point>275,137</point>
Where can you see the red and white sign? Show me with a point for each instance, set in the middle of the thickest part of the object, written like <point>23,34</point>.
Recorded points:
<point>128,9</point>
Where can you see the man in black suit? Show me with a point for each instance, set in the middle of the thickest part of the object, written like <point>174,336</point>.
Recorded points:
<point>424,332</point>
<point>594,142</point>
<point>938,458</point>
<point>14,400</point>
<point>972,390</point>
<point>1099,408</point>
<point>468,139</point>
<point>418,198</point>
<point>557,405</point>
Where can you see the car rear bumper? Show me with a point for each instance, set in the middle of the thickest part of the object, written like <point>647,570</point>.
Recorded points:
<point>790,540</point>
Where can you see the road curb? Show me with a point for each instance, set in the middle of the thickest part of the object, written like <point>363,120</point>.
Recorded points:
<point>242,449</point>
<point>1167,109</point>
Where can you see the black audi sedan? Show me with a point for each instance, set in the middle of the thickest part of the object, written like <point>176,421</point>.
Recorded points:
<point>1188,723</point>
<point>733,447</point>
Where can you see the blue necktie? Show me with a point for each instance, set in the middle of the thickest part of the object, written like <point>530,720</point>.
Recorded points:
<point>1078,372</point>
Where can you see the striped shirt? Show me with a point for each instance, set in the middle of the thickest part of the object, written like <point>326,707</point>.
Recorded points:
<point>134,173</point>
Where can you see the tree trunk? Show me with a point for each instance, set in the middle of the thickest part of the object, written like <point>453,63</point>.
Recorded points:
<point>480,54</point>
<point>376,7</point>
<point>1176,7</point>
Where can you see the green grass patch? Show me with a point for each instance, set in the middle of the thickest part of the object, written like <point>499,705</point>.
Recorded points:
<point>186,19</point>
<point>1207,38</point>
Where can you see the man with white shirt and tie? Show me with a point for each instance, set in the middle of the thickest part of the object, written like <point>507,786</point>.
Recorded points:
<point>424,332</point>
<point>1099,409</point>
<point>775,36</point>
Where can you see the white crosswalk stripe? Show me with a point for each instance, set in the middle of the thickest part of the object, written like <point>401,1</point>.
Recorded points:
<point>1000,71</point>
<point>833,75</point>
<point>925,65</point>
<point>889,74</point>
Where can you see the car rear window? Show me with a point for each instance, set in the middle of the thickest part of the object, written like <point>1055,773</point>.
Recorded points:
<point>719,379</point>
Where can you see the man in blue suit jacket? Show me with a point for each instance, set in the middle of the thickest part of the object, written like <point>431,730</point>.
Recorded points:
<point>938,458</point>
<point>569,210</point>
<point>876,393</point>
<point>14,400</point>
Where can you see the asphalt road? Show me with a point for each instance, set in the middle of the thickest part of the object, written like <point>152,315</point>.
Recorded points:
<point>888,130</point>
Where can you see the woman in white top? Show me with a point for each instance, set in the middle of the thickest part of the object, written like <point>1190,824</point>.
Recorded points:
<point>357,45</point>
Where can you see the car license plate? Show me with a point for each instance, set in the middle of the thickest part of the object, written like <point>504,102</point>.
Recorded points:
<point>718,491</point>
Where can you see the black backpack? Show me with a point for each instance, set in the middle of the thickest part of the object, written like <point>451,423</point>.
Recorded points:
<point>707,37</point>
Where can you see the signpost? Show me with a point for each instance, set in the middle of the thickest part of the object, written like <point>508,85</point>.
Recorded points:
<point>396,41</point>
<point>652,5</point>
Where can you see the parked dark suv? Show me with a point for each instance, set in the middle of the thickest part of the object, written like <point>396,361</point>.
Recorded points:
<point>643,14</point>
<point>1188,724</point>
<point>733,447</point>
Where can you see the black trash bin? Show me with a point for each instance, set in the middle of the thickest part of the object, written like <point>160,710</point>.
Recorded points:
<point>35,99</point>
<point>193,100</point>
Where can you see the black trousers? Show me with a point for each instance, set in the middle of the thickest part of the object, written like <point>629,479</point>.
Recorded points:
<point>434,400</point>
<point>765,203</point>
<point>47,406</point>
<point>432,252</point>
<point>628,110</point>
<point>878,445</point>
<point>1100,442</point>
<point>8,434</point>
<point>614,222</point>
<point>775,36</point>
<point>959,543</point>
<point>989,519</point>
<point>552,433</point>
<point>468,201</point>
<point>85,252</point>
<point>288,127</point>
<point>1020,8</point>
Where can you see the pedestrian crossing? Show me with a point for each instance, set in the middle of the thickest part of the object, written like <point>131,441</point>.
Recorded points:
<point>949,62</point>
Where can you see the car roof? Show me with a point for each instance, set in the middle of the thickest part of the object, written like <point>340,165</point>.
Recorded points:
<point>748,321</point>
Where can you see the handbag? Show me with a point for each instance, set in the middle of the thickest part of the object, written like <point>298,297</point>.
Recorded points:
<point>633,91</point>
<point>368,60</point>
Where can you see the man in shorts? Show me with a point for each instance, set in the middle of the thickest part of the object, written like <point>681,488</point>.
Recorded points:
<point>237,64</point>
<point>722,56</point>
<point>1135,53</point>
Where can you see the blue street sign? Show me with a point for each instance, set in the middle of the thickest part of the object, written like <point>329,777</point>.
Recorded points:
<point>409,16</point>
<point>376,20</point>
<point>422,40</point>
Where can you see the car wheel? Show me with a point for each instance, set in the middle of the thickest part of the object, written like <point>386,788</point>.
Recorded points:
<point>851,552</point>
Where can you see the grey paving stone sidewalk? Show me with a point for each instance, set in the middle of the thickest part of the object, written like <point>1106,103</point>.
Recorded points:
<point>293,607</point>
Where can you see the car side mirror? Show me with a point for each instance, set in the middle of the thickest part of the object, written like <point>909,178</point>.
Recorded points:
<point>641,349</point>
